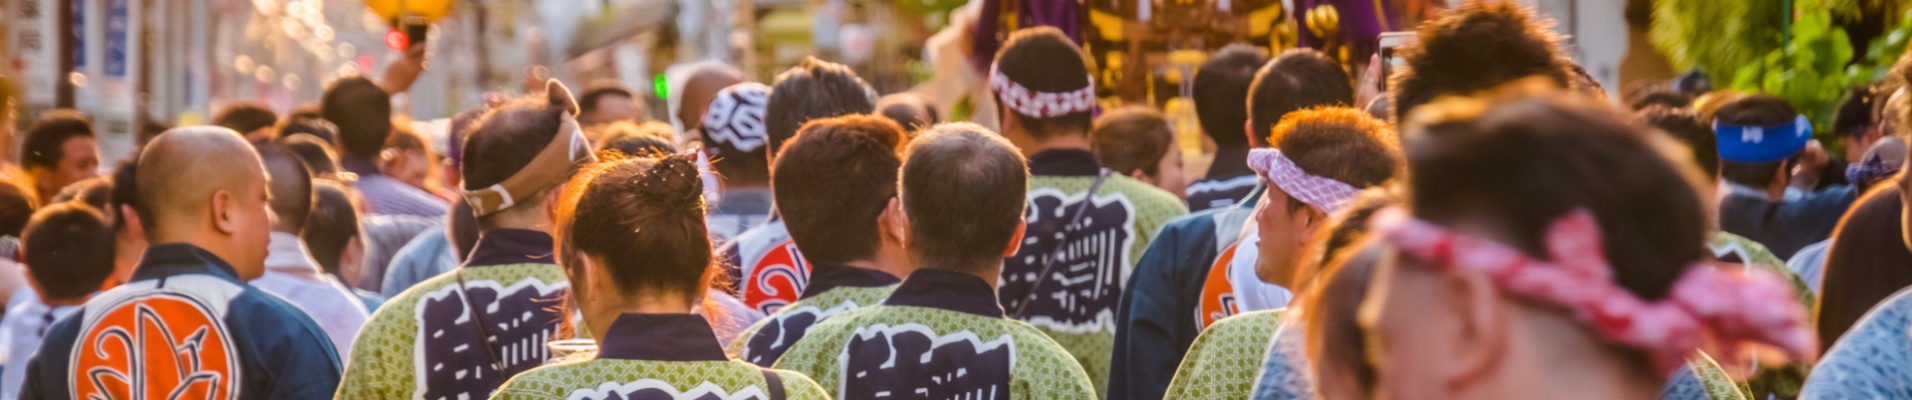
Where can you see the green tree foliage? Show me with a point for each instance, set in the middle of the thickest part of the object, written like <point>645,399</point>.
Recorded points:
<point>1717,36</point>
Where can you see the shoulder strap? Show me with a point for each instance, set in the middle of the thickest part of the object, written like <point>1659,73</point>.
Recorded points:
<point>1047,258</point>
<point>774,383</point>
<point>478,320</point>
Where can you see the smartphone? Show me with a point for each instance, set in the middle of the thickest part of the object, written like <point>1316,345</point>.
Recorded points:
<point>1391,41</point>
<point>415,28</point>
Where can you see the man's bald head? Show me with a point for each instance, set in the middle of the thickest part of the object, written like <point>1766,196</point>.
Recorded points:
<point>182,169</point>
<point>702,82</point>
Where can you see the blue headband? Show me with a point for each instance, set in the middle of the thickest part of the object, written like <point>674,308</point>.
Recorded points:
<point>1756,144</point>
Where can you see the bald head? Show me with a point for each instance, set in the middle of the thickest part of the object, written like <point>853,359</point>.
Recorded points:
<point>182,172</point>
<point>703,82</point>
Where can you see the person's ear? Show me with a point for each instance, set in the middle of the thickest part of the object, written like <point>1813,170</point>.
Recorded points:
<point>892,224</point>
<point>1248,131</point>
<point>130,219</point>
<point>559,96</point>
<point>1484,322</point>
<point>1138,175</point>
<point>1015,240</point>
<point>224,210</point>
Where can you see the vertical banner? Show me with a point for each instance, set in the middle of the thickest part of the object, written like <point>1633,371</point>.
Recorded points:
<point>118,21</point>
<point>33,49</point>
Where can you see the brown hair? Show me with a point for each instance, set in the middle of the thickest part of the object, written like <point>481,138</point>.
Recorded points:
<point>644,218</point>
<point>813,89</point>
<point>963,188</point>
<point>1132,138</point>
<point>1043,59</point>
<point>1476,47</point>
<point>1514,165</point>
<point>1868,262</point>
<point>1332,330</point>
<point>1339,143</point>
<point>837,181</point>
<point>635,139</point>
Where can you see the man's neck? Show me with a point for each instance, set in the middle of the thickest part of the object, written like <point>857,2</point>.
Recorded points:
<point>1229,162</point>
<point>1058,141</point>
<point>897,270</point>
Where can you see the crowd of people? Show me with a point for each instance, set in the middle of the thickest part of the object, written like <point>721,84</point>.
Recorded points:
<point>1491,226</point>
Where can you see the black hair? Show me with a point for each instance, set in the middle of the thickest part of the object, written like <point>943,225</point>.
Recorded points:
<point>45,141</point>
<point>69,250</point>
<point>963,188</point>
<point>245,117</point>
<point>1221,93</point>
<point>333,224</point>
<point>1043,59</point>
<point>588,101</point>
<point>1473,48</point>
<point>1686,127</point>
<point>813,89</point>
<point>1754,110</point>
<point>362,112</point>
<point>1296,79</point>
<point>291,186</point>
<point>830,188</point>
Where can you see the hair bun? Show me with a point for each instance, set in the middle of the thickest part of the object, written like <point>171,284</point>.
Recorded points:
<point>672,182</point>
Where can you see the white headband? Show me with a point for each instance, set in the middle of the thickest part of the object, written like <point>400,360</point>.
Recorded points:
<point>1325,194</point>
<point>1040,104</point>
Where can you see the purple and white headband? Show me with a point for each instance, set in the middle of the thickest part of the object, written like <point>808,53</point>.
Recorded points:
<point>1325,194</point>
<point>1040,104</point>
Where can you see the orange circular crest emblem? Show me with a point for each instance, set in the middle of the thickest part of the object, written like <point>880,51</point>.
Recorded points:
<point>157,346</point>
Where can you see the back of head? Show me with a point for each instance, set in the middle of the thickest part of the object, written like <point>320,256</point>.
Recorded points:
<point>1295,80</point>
<point>813,89</point>
<point>508,138</point>
<point>1132,139</point>
<point>1221,93</point>
<point>93,191</point>
<point>908,110</point>
<point>17,202</point>
<point>598,92</point>
<point>1335,338</point>
<point>69,250</point>
<point>700,81</point>
<point>318,155</point>
<point>362,112</point>
<point>333,224</point>
<point>963,188</point>
<point>291,186</point>
<point>643,219</point>
<point>181,171</point>
<point>125,189</point>
<point>1686,128</point>
<point>1854,112</point>
<point>1041,69</point>
<point>245,117</point>
<point>1339,143</point>
<point>1657,96</point>
<point>1476,47</point>
<point>834,181</point>
<point>1865,265</point>
<point>637,139</point>
<point>735,132</point>
<point>1753,110</point>
<point>45,141</point>
<point>309,125</point>
<point>1546,157</point>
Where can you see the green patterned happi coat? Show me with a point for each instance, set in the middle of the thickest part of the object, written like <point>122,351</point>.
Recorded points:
<point>847,354</point>
<point>792,321</point>
<point>1076,304</point>
<point>602,378</point>
<point>1223,361</point>
<point>424,343</point>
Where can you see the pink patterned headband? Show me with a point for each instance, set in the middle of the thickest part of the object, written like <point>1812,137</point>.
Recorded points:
<point>1040,104</point>
<point>1325,194</point>
<point>1736,306</point>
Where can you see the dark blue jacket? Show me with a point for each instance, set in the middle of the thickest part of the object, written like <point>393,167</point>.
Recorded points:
<point>1785,227</point>
<point>184,325</point>
<point>1156,321</point>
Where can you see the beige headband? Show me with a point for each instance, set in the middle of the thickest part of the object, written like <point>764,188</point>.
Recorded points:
<point>567,149</point>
